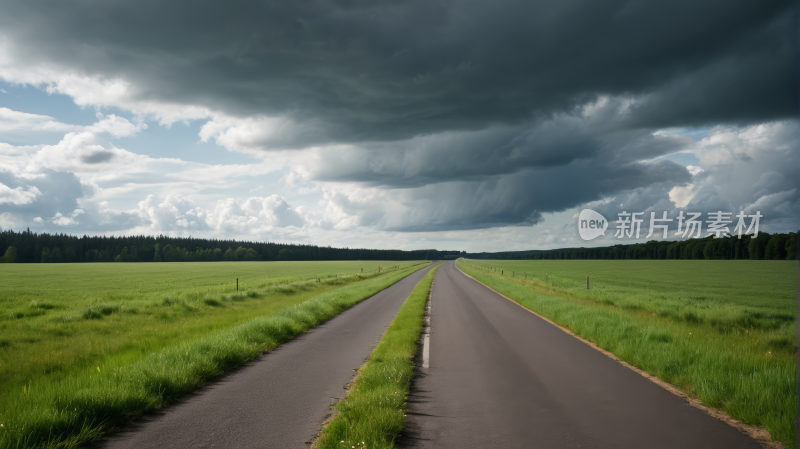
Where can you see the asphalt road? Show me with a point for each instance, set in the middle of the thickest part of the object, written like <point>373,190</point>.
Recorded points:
<point>281,399</point>
<point>500,376</point>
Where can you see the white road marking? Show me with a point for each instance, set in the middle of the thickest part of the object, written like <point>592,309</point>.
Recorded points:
<point>426,351</point>
<point>426,334</point>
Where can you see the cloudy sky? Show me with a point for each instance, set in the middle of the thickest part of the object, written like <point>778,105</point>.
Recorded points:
<point>471,125</point>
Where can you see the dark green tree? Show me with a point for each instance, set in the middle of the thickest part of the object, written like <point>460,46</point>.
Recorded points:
<point>10,255</point>
<point>46,256</point>
<point>251,254</point>
<point>776,247</point>
<point>791,246</point>
<point>285,254</point>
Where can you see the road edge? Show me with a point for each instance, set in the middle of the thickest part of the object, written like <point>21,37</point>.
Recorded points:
<point>760,434</point>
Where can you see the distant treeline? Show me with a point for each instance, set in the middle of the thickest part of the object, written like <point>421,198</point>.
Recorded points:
<point>764,247</point>
<point>30,247</point>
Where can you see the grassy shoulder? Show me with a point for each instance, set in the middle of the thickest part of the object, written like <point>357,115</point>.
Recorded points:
<point>731,355</point>
<point>87,401</point>
<point>373,412</point>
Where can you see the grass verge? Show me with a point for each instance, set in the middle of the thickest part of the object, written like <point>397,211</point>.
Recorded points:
<point>726,364</point>
<point>373,412</point>
<point>82,407</point>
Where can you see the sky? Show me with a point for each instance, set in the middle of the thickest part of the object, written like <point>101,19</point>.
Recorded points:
<point>469,125</point>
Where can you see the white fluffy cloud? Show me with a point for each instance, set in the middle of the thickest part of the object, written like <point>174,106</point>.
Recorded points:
<point>681,195</point>
<point>173,213</point>
<point>229,216</point>
<point>18,195</point>
<point>748,166</point>
<point>66,220</point>
<point>11,120</point>
<point>254,214</point>
<point>727,145</point>
<point>261,133</point>
<point>85,152</point>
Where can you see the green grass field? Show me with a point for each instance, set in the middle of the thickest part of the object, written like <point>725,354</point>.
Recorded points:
<point>722,331</point>
<point>70,333</point>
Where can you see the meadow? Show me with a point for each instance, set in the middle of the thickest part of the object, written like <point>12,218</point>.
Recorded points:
<point>721,331</point>
<point>110,341</point>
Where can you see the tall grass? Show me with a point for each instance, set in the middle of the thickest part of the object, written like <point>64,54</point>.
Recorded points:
<point>709,348</point>
<point>373,412</point>
<point>82,406</point>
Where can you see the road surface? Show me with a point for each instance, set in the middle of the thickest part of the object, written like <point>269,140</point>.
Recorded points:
<point>501,377</point>
<point>281,399</point>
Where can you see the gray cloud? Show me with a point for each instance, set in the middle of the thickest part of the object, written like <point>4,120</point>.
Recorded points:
<point>360,71</point>
<point>517,199</point>
<point>59,194</point>
<point>58,208</point>
<point>753,168</point>
<point>593,135</point>
<point>757,169</point>
<point>97,157</point>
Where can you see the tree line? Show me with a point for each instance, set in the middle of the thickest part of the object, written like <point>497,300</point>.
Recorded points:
<point>764,247</point>
<point>30,247</point>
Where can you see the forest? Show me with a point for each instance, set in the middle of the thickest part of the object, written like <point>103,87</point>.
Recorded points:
<point>30,247</point>
<point>764,247</point>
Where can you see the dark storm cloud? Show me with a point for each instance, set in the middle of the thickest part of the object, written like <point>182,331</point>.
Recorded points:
<point>378,71</point>
<point>474,155</point>
<point>517,199</point>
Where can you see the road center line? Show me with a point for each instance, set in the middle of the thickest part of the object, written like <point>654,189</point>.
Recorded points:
<point>426,333</point>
